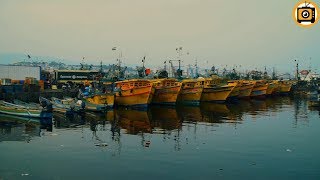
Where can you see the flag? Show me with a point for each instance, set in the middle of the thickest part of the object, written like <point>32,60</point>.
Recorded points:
<point>29,56</point>
<point>114,48</point>
<point>144,58</point>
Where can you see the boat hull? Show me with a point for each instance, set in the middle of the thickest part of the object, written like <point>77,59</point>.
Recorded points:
<point>134,97</point>
<point>245,90</point>
<point>219,93</point>
<point>190,96</point>
<point>259,90</point>
<point>20,112</point>
<point>236,90</point>
<point>166,95</point>
<point>271,88</point>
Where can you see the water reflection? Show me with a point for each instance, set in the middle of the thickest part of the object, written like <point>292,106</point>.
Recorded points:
<point>168,121</point>
<point>13,128</point>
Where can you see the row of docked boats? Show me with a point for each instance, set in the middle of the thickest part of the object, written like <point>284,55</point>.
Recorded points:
<point>142,92</point>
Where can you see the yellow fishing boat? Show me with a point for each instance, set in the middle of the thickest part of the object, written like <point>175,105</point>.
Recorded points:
<point>271,87</point>
<point>190,92</point>
<point>215,92</point>
<point>134,92</point>
<point>285,86</point>
<point>246,89</point>
<point>166,91</point>
<point>236,90</point>
<point>259,89</point>
<point>99,102</point>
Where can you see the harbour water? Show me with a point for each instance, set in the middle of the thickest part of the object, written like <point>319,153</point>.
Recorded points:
<point>275,138</point>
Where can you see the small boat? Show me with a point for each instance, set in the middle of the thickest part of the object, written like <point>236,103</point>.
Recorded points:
<point>30,105</point>
<point>166,91</point>
<point>134,93</point>
<point>101,101</point>
<point>190,92</point>
<point>19,110</point>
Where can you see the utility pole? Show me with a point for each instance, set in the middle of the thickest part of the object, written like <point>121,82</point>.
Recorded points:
<point>297,70</point>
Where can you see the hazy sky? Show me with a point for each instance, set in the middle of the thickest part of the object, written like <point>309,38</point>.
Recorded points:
<point>253,33</point>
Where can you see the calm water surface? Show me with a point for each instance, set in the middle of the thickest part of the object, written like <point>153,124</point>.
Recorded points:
<point>276,138</point>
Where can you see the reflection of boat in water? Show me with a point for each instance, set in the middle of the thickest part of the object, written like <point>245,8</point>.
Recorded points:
<point>190,113</point>
<point>221,113</point>
<point>135,92</point>
<point>214,107</point>
<point>165,118</point>
<point>15,128</point>
<point>166,91</point>
<point>133,121</point>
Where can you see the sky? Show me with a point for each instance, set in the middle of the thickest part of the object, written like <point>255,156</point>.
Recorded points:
<point>250,33</point>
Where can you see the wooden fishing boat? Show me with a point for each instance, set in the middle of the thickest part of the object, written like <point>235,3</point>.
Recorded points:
<point>191,91</point>
<point>134,93</point>
<point>236,90</point>
<point>245,89</point>
<point>166,91</point>
<point>19,110</point>
<point>102,99</point>
<point>271,87</point>
<point>259,89</point>
<point>215,92</point>
<point>285,87</point>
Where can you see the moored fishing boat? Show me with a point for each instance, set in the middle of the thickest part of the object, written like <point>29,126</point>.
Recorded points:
<point>285,87</point>
<point>215,92</point>
<point>246,89</point>
<point>190,92</point>
<point>166,91</point>
<point>135,93</point>
<point>99,102</point>
<point>271,87</point>
<point>259,89</point>
<point>236,90</point>
<point>19,110</point>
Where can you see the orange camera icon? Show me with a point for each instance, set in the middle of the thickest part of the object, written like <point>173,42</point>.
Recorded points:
<point>305,13</point>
